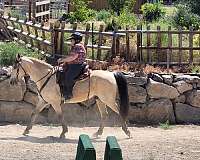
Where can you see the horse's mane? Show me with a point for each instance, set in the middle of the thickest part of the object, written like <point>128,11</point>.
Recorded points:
<point>38,61</point>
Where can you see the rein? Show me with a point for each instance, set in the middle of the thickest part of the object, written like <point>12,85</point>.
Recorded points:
<point>51,72</point>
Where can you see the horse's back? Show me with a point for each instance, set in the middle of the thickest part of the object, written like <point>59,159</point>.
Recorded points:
<point>103,75</point>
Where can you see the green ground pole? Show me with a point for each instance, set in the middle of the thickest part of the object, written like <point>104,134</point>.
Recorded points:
<point>112,150</point>
<point>85,149</point>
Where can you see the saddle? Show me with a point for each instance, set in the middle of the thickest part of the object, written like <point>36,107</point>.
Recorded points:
<point>85,72</point>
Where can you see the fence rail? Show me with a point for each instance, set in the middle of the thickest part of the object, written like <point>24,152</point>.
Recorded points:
<point>140,45</point>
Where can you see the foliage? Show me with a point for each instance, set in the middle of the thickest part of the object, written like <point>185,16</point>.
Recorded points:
<point>117,5</point>
<point>103,15</point>
<point>152,12</point>
<point>81,12</point>
<point>126,19</point>
<point>193,5</point>
<point>8,53</point>
<point>165,125</point>
<point>194,68</point>
<point>185,18</point>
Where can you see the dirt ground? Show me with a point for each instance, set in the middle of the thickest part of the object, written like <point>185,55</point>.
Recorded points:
<point>148,143</point>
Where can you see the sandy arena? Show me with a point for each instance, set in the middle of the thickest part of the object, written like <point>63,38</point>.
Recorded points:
<point>148,143</point>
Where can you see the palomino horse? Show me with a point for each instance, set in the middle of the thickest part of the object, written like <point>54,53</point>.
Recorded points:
<point>103,85</point>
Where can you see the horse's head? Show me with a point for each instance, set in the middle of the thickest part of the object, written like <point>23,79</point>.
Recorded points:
<point>19,70</point>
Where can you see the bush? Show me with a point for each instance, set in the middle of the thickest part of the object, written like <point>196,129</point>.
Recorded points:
<point>152,12</point>
<point>185,18</point>
<point>81,12</point>
<point>8,53</point>
<point>126,19</point>
<point>193,5</point>
<point>117,5</point>
<point>103,15</point>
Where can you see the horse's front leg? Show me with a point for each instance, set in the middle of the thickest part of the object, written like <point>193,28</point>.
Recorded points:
<point>39,107</point>
<point>59,112</point>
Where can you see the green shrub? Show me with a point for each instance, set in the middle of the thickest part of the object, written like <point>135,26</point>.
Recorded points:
<point>81,12</point>
<point>192,4</point>
<point>117,5</point>
<point>126,19</point>
<point>103,15</point>
<point>8,53</point>
<point>152,12</point>
<point>185,18</point>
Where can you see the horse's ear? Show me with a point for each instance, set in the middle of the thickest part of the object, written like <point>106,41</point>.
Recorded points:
<point>18,57</point>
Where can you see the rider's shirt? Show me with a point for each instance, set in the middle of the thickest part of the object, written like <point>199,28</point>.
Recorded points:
<point>80,50</point>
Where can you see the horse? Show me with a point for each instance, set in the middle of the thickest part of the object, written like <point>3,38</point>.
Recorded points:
<point>109,89</point>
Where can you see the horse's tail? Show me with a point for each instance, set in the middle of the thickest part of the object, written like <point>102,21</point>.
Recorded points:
<point>123,94</point>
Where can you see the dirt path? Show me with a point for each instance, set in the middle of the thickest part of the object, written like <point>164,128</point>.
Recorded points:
<point>148,143</point>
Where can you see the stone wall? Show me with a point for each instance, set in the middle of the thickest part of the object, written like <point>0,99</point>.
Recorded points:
<point>154,99</point>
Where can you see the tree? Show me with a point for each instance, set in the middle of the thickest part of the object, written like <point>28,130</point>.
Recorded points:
<point>118,5</point>
<point>193,4</point>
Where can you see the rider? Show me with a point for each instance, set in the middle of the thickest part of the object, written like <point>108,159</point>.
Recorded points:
<point>73,64</point>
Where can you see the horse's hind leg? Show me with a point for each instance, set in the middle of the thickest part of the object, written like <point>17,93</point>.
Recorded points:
<point>103,113</point>
<point>125,128</point>
<point>40,106</point>
<point>115,108</point>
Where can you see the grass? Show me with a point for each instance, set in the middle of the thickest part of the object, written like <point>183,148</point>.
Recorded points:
<point>165,125</point>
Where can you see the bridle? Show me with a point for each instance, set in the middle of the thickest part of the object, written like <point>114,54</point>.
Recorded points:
<point>18,65</point>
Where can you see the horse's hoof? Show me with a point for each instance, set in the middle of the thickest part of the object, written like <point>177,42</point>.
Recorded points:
<point>62,136</point>
<point>26,133</point>
<point>95,135</point>
<point>129,134</point>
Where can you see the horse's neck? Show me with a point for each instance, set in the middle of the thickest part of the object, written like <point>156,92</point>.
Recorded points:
<point>38,71</point>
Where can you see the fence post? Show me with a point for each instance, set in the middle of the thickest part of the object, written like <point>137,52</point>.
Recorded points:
<point>159,56</point>
<point>139,43</point>
<point>191,45</point>
<point>169,51</point>
<point>149,55</point>
<point>128,56</point>
<point>100,42</point>
<point>114,43</point>
<point>36,35</point>
<point>86,35</point>
<point>62,42</point>
<point>29,33</point>
<point>180,44</point>
<point>51,28</point>
<point>44,48</point>
<point>56,37</point>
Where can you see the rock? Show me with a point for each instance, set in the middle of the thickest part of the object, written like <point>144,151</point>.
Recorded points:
<point>187,114</point>
<point>12,93</point>
<point>180,99</point>
<point>156,77</point>
<point>182,86</point>
<point>158,111</point>
<point>161,90</point>
<point>79,116</point>
<point>140,81</point>
<point>193,98</point>
<point>137,94</point>
<point>31,97</point>
<point>187,78</point>
<point>17,112</point>
<point>168,79</point>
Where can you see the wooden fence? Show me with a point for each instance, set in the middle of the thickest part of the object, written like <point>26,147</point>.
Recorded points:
<point>164,47</point>
<point>41,10</point>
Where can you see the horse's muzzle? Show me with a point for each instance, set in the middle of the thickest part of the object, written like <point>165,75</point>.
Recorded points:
<point>13,81</point>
